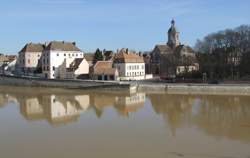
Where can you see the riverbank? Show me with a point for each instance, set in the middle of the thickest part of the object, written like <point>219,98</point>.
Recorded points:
<point>67,84</point>
<point>141,86</point>
<point>216,89</point>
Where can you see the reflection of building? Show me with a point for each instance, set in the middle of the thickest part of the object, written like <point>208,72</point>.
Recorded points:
<point>31,108</point>
<point>59,108</point>
<point>128,104</point>
<point>55,108</point>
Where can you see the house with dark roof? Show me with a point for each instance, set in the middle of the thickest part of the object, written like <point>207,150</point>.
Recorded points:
<point>77,69</point>
<point>90,57</point>
<point>167,60</point>
<point>130,65</point>
<point>62,59</point>
<point>29,58</point>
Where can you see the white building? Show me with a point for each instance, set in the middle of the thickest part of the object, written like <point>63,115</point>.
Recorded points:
<point>59,56</point>
<point>130,65</point>
<point>74,69</point>
<point>29,58</point>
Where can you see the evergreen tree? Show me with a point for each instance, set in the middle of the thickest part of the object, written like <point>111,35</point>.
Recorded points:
<point>98,55</point>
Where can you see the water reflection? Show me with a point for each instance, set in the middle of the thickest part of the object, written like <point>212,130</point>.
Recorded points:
<point>220,116</point>
<point>61,108</point>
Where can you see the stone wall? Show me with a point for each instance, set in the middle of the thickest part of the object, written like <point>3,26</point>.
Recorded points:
<point>223,89</point>
<point>71,84</point>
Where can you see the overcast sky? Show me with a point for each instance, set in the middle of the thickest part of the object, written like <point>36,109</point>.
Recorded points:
<point>112,24</point>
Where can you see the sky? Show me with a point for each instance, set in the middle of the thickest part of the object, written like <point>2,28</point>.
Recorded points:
<point>114,24</point>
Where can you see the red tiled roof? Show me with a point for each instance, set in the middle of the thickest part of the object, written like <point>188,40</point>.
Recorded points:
<point>127,57</point>
<point>104,67</point>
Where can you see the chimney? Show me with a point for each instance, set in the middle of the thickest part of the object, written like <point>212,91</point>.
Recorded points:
<point>74,43</point>
<point>46,44</point>
<point>140,54</point>
<point>127,52</point>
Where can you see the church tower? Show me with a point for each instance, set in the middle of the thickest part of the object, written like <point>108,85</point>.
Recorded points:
<point>173,36</point>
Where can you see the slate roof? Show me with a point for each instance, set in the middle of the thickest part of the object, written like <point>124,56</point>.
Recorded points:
<point>89,56</point>
<point>62,46</point>
<point>75,64</point>
<point>33,47</point>
<point>163,49</point>
<point>186,49</point>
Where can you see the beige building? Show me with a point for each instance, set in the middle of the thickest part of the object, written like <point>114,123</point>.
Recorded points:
<point>130,65</point>
<point>103,70</point>
<point>29,58</point>
<point>78,68</point>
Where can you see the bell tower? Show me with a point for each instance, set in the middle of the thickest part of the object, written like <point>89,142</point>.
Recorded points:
<point>173,36</point>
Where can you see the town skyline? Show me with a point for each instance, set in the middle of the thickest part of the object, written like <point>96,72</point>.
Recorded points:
<point>137,25</point>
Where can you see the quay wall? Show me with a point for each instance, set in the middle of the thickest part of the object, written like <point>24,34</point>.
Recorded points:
<point>132,87</point>
<point>69,84</point>
<point>223,89</point>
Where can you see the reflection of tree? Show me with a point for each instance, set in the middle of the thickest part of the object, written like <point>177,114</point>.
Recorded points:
<point>222,116</point>
<point>3,100</point>
<point>176,109</point>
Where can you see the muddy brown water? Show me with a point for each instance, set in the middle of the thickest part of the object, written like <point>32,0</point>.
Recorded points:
<point>42,123</point>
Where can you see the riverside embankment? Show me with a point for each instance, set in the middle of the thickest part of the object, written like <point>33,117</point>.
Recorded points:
<point>217,89</point>
<point>68,84</point>
<point>141,86</point>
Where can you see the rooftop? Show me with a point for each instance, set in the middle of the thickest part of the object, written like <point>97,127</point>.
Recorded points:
<point>62,46</point>
<point>125,56</point>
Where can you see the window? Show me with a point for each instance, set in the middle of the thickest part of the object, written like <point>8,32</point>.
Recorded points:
<point>69,55</point>
<point>54,68</point>
<point>28,61</point>
<point>73,54</point>
<point>47,68</point>
<point>77,55</point>
<point>57,54</point>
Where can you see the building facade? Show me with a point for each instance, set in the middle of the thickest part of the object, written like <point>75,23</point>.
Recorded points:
<point>29,58</point>
<point>103,70</point>
<point>173,58</point>
<point>60,55</point>
<point>130,65</point>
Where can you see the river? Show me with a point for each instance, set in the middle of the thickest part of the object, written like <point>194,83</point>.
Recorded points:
<point>44,122</point>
